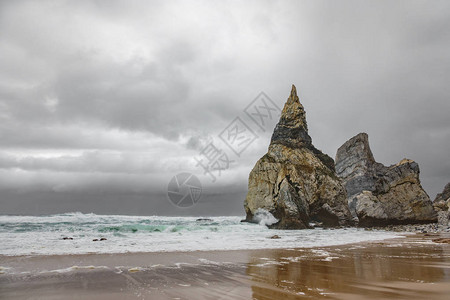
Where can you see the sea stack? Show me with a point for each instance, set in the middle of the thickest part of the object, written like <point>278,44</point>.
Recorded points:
<point>442,206</point>
<point>380,195</point>
<point>294,181</point>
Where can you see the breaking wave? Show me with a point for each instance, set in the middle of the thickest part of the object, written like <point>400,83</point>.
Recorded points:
<point>78,233</point>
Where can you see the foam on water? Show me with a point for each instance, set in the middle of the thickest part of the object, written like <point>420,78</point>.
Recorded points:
<point>43,235</point>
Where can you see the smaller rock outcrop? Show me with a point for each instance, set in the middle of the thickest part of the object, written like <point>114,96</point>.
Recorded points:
<point>444,197</point>
<point>378,195</point>
<point>442,206</point>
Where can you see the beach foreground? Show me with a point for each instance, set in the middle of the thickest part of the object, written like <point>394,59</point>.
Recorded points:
<point>414,267</point>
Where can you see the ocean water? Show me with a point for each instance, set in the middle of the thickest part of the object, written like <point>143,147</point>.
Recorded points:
<point>43,235</point>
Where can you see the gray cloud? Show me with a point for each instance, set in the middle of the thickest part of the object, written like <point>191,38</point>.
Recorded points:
<point>110,96</point>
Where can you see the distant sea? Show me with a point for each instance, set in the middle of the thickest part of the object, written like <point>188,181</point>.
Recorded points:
<point>44,235</point>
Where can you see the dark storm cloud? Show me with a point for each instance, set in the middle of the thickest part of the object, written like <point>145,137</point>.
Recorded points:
<point>84,82</point>
<point>88,89</point>
<point>110,96</point>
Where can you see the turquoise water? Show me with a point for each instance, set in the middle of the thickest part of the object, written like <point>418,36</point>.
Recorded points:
<point>44,235</point>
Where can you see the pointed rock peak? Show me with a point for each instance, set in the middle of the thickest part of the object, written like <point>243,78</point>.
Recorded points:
<point>292,129</point>
<point>355,149</point>
<point>293,113</point>
<point>293,92</point>
<point>293,98</point>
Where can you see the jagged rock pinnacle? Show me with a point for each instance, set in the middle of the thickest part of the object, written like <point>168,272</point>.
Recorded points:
<point>293,93</point>
<point>292,129</point>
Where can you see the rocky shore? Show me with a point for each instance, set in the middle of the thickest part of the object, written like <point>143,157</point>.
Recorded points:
<point>431,228</point>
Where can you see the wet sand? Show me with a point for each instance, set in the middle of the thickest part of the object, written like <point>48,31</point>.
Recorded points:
<point>413,268</point>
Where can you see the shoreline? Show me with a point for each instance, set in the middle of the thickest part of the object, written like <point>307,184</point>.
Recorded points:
<point>398,267</point>
<point>401,235</point>
<point>78,256</point>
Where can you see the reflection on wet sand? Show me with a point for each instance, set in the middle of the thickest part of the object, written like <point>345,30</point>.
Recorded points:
<point>378,270</point>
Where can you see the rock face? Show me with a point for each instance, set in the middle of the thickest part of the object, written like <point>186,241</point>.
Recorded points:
<point>294,181</point>
<point>380,195</point>
<point>442,206</point>
<point>443,197</point>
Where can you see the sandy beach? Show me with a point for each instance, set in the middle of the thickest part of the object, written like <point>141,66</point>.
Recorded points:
<point>414,267</point>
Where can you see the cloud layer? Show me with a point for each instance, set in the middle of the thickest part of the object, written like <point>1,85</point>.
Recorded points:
<point>118,97</point>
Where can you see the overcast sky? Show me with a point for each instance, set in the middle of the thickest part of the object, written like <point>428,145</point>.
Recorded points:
<point>103,102</point>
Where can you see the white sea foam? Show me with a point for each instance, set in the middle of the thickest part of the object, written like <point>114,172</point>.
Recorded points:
<point>264,217</point>
<point>136,269</point>
<point>44,235</point>
<point>75,268</point>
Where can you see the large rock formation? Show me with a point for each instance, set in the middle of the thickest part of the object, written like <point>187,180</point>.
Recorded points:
<point>442,206</point>
<point>379,195</point>
<point>294,181</point>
